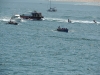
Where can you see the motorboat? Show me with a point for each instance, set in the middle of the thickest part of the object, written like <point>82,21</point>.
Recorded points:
<point>11,22</point>
<point>33,15</point>
<point>62,29</point>
<point>52,10</point>
<point>16,18</point>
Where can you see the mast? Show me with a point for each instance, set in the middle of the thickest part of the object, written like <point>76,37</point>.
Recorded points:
<point>51,9</point>
<point>50,3</point>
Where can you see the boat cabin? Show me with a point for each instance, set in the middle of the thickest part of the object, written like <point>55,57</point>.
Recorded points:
<point>34,15</point>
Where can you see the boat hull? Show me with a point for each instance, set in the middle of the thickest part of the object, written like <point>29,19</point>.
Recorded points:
<point>17,20</point>
<point>62,29</point>
<point>31,17</point>
<point>13,23</point>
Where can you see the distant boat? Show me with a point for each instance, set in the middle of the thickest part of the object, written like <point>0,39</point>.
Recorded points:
<point>16,18</point>
<point>33,15</point>
<point>11,22</point>
<point>62,29</point>
<point>51,9</point>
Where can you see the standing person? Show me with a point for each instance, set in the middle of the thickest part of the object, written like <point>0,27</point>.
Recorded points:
<point>58,27</point>
<point>69,21</point>
<point>94,21</point>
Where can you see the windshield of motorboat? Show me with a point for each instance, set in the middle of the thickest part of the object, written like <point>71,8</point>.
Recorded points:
<point>15,16</point>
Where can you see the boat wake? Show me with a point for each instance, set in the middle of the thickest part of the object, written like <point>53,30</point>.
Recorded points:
<point>66,20</point>
<point>81,21</point>
<point>6,19</point>
<point>55,19</point>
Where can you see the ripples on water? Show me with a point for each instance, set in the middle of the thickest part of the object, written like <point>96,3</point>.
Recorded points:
<point>36,48</point>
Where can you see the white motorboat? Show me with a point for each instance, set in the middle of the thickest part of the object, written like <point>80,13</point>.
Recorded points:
<point>16,18</point>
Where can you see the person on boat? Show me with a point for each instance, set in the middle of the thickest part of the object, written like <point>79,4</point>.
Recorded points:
<point>94,21</point>
<point>69,21</point>
<point>10,21</point>
<point>58,27</point>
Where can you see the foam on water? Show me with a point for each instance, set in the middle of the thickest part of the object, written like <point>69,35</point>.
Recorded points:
<point>81,21</point>
<point>5,19</point>
<point>65,20</point>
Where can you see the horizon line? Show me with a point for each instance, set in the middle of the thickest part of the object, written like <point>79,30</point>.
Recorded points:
<point>77,0</point>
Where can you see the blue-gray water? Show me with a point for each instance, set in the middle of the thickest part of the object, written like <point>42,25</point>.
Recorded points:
<point>35,48</point>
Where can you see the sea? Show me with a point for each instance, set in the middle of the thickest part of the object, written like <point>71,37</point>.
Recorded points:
<point>37,48</point>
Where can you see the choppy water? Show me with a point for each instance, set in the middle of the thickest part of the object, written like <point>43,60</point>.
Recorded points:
<point>36,48</point>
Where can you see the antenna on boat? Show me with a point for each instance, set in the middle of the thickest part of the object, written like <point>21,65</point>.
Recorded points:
<point>50,3</point>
